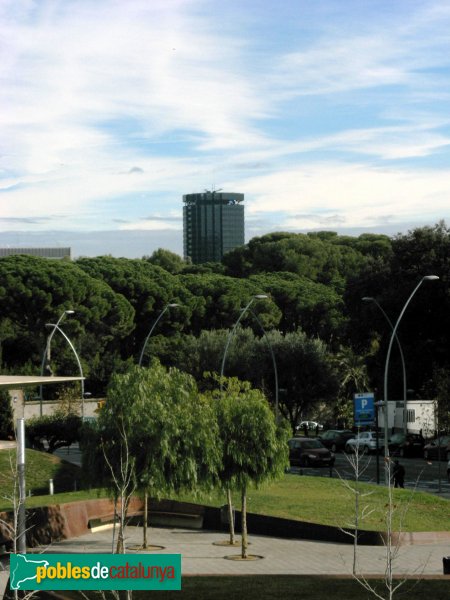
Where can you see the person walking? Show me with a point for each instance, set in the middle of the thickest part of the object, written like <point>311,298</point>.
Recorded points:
<point>398,474</point>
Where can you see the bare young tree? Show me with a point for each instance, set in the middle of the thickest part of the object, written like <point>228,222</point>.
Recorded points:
<point>9,525</point>
<point>393,513</point>
<point>121,466</point>
<point>361,510</point>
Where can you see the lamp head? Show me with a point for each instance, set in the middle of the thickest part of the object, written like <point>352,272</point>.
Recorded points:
<point>173,305</point>
<point>260,296</point>
<point>367,299</point>
<point>431,277</point>
<point>69,312</point>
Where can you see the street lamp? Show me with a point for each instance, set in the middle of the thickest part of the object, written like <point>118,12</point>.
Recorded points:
<point>274,362</point>
<point>230,336</point>
<point>375,301</point>
<point>47,352</point>
<point>58,328</point>
<point>386,369</point>
<point>166,308</point>
<point>171,305</point>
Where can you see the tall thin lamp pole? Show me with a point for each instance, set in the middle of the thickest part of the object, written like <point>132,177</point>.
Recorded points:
<point>375,301</point>
<point>46,355</point>
<point>58,328</point>
<point>386,369</point>
<point>141,357</point>
<point>21,542</point>
<point>274,362</point>
<point>232,332</point>
<point>230,337</point>
<point>165,309</point>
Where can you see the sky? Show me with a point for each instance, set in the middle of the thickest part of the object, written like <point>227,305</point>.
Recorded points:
<point>326,114</point>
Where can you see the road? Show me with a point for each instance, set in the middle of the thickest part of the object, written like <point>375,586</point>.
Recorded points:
<point>419,474</point>
<point>71,454</point>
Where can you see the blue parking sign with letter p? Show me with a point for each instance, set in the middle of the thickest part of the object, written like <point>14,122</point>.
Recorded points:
<point>364,408</point>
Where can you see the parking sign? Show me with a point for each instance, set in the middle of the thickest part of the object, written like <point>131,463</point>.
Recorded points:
<point>364,408</point>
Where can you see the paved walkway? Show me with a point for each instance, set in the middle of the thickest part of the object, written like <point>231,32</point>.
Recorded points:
<point>200,556</point>
<point>280,556</point>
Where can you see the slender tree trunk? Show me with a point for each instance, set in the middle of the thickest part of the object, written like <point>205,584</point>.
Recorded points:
<point>124,499</point>
<point>244,522</point>
<point>114,524</point>
<point>144,542</point>
<point>120,535</point>
<point>230,517</point>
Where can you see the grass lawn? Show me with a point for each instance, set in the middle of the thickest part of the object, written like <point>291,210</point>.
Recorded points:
<point>327,501</point>
<point>287,586</point>
<point>312,499</point>
<point>40,467</point>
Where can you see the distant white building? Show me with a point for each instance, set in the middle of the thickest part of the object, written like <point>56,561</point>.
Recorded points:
<point>56,252</point>
<point>420,415</point>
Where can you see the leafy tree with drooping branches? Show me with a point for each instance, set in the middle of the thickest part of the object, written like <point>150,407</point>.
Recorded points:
<point>169,429</point>
<point>255,448</point>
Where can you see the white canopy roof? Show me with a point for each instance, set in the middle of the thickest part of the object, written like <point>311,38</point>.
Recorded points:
<point>18,381</point>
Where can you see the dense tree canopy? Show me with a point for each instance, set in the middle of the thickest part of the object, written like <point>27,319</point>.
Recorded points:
<point>171,262</point>
<point>306,375</point>
<point>148,288</point>
<point>424,329</point>
<point>36,291</point>
<point>220,298</point>
<point>313,307</point>
<point>322,257</point>
<point>314,283</point>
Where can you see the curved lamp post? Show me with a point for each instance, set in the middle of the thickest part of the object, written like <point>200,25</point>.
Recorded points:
<point>230,336</point>
<point>46,355</point>
<point>386,369</point>
<point>166,308</point>
<point>405,391</point>
<point>56,327</point>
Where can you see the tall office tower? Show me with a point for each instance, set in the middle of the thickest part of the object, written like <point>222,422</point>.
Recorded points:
<point>213,224</point>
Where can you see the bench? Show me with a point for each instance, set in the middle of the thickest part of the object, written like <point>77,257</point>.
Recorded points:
<point>176,519</point>
<point>155,517</point>
<point>104,522</point>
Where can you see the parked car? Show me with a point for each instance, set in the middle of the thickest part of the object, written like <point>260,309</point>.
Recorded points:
<point>438,448</point>
<point>410,445</point>
<point>310,425</point>
<point>365,442</point>
<point>335,439</point>
<point>309,452</point>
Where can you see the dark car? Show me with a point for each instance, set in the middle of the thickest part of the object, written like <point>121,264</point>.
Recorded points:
<point>309,452</point>
<point>438,448</point>
<point>410,445</point>
<point>335,439</point>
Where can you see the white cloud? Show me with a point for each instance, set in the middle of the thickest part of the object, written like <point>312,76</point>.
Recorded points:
<point>394,53</point>
<point>350,195</point>
<point>111,110</point>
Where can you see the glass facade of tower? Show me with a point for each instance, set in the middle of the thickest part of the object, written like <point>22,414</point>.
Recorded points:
<point>213,224</point>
